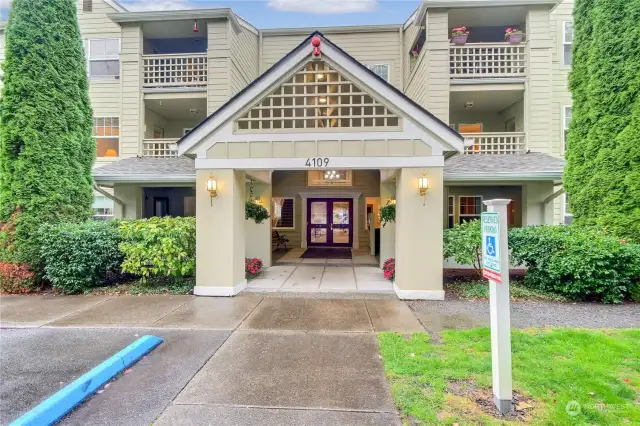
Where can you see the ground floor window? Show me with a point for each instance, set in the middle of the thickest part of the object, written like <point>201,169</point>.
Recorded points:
<point>470,207</point>
<point>283,212</point>
<point>451,210</point>
<point>102,208</point>
<point>567,216</point>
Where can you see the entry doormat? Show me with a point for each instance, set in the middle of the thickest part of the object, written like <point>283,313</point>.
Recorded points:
<point>327,253</point>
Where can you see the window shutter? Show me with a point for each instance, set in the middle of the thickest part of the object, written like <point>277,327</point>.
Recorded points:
<point>87,5</point>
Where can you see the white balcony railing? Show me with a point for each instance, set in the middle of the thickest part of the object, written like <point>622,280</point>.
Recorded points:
<point>159,148</point>
<point>496,143</point>
<point>488,60</point>
<point>180,70</point>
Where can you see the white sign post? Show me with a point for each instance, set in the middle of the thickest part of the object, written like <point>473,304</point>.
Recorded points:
<point>495,267</point>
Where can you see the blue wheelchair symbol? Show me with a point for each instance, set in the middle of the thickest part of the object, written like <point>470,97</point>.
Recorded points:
<point>491,246</point>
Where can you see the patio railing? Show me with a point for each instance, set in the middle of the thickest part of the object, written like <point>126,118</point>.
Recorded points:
<point>179,70</point>
<point>496,143</point>
<point>488,60</point>
<point>159,148</point>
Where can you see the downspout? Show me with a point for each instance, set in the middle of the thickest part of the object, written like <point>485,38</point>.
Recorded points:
<point>111,197</point>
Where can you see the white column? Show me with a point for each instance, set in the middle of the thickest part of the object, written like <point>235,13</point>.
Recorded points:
<point>258,236</point>
<point>388,231</point>
<point>501,317</point>
<point>220,234</point>
<point>419,232</point>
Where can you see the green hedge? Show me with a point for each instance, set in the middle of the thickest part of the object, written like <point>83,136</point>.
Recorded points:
<point>78,256</point>
<point>463,243</point>
<point>159,246</point>
<point>576,262</point>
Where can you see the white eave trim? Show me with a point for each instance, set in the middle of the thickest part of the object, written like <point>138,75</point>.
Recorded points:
<point>333,30</point>
<point>147,178</point>
<point>450,4</point>
<point>177,15</point>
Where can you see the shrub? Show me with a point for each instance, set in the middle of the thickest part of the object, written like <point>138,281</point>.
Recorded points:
<point>576,262</point>
<point>255,211</point>
<point>252,267</point>
<point>389,269</point>
<point>16,278</point>
<point>463,243</point>
<point>79,256</point>
<point>159,246</point>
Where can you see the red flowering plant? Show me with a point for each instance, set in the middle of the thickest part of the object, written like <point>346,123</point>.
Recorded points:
<point>459,31</point>
<point>252,267</point>
<point>389,269</point>
<point>510,31</point>
<point>16,278</point>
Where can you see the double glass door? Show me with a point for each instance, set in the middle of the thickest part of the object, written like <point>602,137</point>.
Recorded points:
<point>329,222</point>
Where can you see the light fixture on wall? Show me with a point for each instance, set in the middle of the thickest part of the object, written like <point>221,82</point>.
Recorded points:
<point>423,185</point>
<point>212,187</point>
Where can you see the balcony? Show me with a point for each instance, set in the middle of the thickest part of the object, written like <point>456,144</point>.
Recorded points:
<point>496,143</point>
<point>487,60</point>
<point>159,148</point>
<point>175,71</point>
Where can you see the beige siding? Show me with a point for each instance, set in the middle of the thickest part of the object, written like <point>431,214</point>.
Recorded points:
<point>291,183</point>
<point>560,74</point>
<point>244,59</point>
<point>367,47</point>
<point>515,110</point>
<point>131,121</point>
<point>219,63</point>
<point>428,85</point>
<point>97,22</point>
<point>409,37</point>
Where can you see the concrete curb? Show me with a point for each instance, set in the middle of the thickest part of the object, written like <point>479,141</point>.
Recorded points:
<point>66,399</point>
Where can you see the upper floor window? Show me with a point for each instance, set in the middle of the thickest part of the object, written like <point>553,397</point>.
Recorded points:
<point>381,70</point>
<point>567,41</point>
<point>104,58</point>
<point>566,119</point>
<point>106,132</point>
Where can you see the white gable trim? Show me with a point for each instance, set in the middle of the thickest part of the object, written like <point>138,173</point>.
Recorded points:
<point>117,6</point>
<point>434,130</point>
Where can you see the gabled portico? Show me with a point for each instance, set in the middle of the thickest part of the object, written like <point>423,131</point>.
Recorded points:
<point>319,109</point>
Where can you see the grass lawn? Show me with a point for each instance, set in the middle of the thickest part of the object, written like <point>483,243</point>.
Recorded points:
<point>450,382</point>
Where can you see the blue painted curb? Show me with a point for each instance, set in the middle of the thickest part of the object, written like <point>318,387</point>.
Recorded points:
<point>66,399</point>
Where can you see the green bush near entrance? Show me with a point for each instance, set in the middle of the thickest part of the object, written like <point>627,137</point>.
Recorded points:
<point>159,246</point>
<point>79,256</point>
<point>576,262</point>
<point>463,243</point>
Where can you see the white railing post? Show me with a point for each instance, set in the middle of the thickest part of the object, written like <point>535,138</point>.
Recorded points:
<point>179,70</point>
<point>488,60</point>
<point>161,148</point>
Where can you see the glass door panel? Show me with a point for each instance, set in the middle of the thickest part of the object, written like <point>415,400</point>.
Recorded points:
<point>319,213</point>
<point>319,236</point>
<point>329,222</point>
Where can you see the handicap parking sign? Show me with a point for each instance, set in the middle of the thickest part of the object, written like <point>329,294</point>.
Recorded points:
<point>491,246</point>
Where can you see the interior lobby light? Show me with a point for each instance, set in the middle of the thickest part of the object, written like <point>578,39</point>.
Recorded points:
<point>322,99</point>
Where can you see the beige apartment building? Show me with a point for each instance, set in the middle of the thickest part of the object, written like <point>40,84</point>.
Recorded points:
<point>324,125</point>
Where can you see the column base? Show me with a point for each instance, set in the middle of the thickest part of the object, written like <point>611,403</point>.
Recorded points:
<point>503,405</point>
<point>418,294</point>
<point>201,290</point>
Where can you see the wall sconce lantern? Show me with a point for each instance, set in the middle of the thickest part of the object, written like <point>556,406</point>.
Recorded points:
<point>423,185</point>
<point>212,187</point>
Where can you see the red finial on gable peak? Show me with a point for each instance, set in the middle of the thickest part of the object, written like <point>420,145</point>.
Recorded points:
<point>315,42</point>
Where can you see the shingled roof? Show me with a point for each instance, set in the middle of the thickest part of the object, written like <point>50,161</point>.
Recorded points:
<point>531,166</point>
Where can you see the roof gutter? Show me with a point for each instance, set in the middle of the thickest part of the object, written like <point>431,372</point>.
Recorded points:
<point>486,3</point>
<point>177,15</point>
<point>505,176</point>
<point>334,30</point>
<point>148,178</point>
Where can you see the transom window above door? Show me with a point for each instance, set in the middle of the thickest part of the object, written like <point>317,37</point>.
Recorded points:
<point>317,98</point>
<point>329,178</point>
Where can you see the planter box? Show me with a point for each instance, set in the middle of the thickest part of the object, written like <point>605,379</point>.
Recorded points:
<point>459,40</point>
<point>516,38</point>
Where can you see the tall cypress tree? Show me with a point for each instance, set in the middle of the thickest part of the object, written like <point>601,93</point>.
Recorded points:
<point>47,151</point>
<point>602,156</point>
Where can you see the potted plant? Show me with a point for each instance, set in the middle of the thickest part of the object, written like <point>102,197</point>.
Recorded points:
<point>387,214</point>
<point>255,211</point>
<point>459,36</point>
<point>514,35</point>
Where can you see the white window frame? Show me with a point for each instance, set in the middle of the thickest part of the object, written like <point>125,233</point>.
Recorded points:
<point>108,137</point>
<point>563,34</point>
<point>565,213</point>
<point>369,66</point>
<point>103,216</point>
<point>460,215</point>
<point>451,215</point>
<point>105,58</point>
<point>294,214</point>
<point>564,127</point>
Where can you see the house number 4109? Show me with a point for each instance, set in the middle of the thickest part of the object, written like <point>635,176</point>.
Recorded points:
<point>317,162</point>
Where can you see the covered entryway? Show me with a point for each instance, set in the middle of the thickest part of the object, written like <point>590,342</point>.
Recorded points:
<point>320,112</point>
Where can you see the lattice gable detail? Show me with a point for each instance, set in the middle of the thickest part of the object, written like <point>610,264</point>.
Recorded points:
<point>318,98</point>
